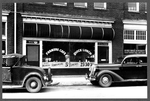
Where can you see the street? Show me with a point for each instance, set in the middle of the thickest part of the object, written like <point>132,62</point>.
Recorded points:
<point>78,89</point>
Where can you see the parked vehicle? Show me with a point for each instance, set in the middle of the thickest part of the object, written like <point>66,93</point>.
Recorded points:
<point>128,68</point>
<point>16,73</point>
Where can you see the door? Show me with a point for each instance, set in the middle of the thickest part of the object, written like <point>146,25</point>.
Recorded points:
<point>33,55</point>
<point>103,54</point>
<point>130,68</point>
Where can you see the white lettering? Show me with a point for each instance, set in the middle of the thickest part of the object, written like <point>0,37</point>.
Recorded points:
<point>82,50</point>
<point>56,49</point>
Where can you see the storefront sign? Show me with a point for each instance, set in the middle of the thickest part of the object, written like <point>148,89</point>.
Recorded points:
<point>127,51</point>
<point>82,50</point>
<point>56,49</point>
<point>66,64</point>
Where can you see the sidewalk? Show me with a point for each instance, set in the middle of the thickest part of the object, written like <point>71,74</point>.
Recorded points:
<point>74,80</point>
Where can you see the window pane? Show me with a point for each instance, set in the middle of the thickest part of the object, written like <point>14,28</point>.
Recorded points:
<point>68,54</point>
<point>3,28</point>
<point>80,5</point>
<point>129,34</point>
<point>140,35</point>
<point>3,47</point>
<point>29,30</point>
<point>133,6</point>
<point>60,3</point>
<point>100,5</point>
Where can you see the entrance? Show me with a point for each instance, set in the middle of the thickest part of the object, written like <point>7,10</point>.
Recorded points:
<point>33,55</point>
<point>103,53</point>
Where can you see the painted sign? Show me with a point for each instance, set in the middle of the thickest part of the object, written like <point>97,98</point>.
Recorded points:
<point>82,50</point>
<point>127,51</point>
<point>56,49</point>
<point>66,64</point>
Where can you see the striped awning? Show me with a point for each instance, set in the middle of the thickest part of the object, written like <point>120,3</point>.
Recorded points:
<point>80,32</point>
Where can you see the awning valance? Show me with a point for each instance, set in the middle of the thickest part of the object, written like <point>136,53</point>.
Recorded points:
<point>72,32</point>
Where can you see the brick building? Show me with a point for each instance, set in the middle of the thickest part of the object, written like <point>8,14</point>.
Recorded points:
<point>70,37</point>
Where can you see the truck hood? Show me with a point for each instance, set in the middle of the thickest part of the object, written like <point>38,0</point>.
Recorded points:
<point>34,67</point>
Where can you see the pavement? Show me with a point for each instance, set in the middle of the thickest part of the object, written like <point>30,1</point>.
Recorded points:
<point>70,80</point>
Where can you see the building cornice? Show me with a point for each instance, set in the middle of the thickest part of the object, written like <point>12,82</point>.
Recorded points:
<point>62,17</point>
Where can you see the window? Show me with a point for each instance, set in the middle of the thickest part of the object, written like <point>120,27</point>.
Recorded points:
<point>134,49</point>
<point>68,54</point>
<point>129,34</point>
<point>80,5</point>
<point>99,5</point>
<point>145,7</point>
<point>133,7</point>
<point>3,28</point>
<point>140,35</point>
<point>60,3</point>
<point>134,35</point>
<point>41,3</point>
<point>132,60</point>
<point>3,47</point>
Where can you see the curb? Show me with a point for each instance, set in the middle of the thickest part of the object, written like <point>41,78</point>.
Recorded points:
<point>70,80</point>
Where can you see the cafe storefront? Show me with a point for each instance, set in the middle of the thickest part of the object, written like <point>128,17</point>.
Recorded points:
<point>67,43</point>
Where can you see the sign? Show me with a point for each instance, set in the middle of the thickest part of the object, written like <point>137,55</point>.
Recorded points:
<point>134,51</point>
<point>82,50</point>
<point>56,49</point>
<point>67,64</point>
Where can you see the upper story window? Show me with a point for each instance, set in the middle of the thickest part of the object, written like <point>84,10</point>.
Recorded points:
<point>135,35</point>
<point>42,3</point>
<point>133,6</point>
<point>60,3</point>
<point>100,5</point>
<point>80,4</point>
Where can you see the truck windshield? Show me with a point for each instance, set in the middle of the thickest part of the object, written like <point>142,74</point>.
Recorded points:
<point>8,62</point>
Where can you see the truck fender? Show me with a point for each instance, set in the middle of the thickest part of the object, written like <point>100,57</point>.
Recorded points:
<point>114,76</point>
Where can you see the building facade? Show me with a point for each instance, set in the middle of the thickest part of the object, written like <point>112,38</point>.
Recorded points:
<point>70,37</point>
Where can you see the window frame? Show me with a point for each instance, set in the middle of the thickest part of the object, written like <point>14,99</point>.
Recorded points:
<point>96,7</point>
<point>137,7</point>
<point>59,3</point>
<point>80,4</point>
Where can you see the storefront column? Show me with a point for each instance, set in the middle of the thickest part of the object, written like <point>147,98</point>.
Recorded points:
<point>41,42</point>
<point>24,47</point>
<point>110,51</point>
<point>96,52</point>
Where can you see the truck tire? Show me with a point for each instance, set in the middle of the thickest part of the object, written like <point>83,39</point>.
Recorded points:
<point>33,85</point>
<point>105,80</point>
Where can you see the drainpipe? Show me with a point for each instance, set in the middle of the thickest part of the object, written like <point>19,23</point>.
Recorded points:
<point>15,22</point>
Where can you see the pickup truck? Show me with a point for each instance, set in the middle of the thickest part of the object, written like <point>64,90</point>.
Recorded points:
<point>17,74</point>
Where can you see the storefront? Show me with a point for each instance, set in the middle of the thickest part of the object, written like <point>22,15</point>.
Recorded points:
<point>135,37</point>
<point>67,43</point>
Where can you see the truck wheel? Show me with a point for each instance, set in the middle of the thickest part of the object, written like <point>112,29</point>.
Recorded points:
<point>33,84</point>
<point>95,83</point>
<point>105,80</point>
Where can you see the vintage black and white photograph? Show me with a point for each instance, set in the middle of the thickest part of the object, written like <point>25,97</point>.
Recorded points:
<point>74,50</point>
